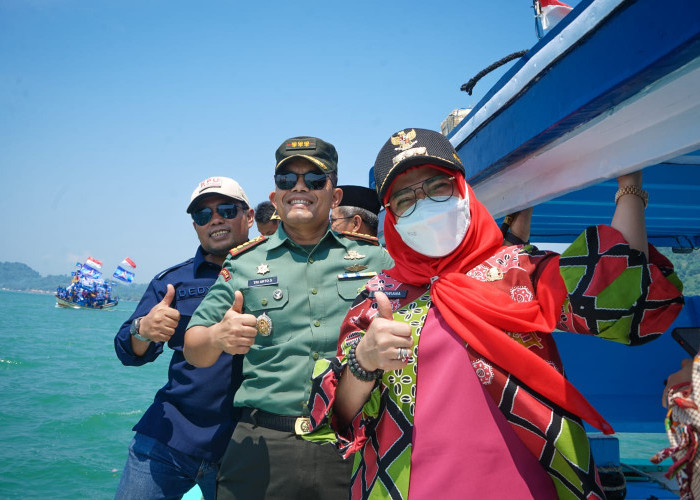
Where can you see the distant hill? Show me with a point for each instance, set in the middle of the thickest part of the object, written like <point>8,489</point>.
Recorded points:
<point>21,277</point>
<point>688,269</point>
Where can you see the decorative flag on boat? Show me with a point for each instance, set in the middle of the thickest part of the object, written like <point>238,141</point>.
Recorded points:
<point>94,263</point>
<point>91,268</point>
<point>125,271</point>
<point>548,13</point>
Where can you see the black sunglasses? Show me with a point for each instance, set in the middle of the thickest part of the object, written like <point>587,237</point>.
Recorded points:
<point>202,216</point>
<point>313,180</point>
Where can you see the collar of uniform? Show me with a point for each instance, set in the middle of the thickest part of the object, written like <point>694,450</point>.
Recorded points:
<point>277,238</point>
<point>200,261</point>
<point>280,237</point>
<point>346,242</point>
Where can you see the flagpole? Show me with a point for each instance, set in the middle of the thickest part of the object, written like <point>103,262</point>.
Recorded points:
<point>538,19</point>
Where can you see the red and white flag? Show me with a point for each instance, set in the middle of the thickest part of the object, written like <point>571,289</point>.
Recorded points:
<point>551,12</point>
<point>95,264</point>
<point>129,262</point>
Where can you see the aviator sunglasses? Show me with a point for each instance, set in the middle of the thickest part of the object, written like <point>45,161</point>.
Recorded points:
<point>202,216</point>
<point>313,180</point>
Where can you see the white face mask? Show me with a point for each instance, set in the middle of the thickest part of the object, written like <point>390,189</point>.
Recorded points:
<point>435,229</point>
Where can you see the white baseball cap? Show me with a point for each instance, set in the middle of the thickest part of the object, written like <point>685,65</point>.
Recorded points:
<point>224,186</point>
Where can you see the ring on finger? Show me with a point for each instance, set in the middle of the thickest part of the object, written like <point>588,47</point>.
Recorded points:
<point>400,356</point>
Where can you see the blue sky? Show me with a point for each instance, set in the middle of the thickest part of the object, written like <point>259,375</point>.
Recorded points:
<point>112,112</point>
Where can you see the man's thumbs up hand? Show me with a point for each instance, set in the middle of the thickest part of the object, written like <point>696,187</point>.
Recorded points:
<point>236,332</point>
<point>160,322</point>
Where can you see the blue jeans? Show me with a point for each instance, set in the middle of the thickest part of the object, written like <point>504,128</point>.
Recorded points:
<point>156,471</point>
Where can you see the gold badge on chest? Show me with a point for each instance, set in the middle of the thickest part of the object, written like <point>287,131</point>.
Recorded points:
<point>264,325</point>
<point>356,268</point>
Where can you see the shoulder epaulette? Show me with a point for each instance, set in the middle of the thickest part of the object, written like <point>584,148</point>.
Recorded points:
<point>173,268</point>
<point>243,247</point>
<point>360,236</point>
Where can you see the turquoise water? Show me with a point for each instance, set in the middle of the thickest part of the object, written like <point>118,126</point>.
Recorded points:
<point>68,404</point>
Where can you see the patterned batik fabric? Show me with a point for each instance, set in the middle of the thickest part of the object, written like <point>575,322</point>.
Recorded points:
<point>683,431</point>
<point>381,432</point>
<point>614,292</point>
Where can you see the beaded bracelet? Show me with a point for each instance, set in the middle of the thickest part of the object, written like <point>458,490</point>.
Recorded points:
<point>360,372</point>
<point>635,190</point>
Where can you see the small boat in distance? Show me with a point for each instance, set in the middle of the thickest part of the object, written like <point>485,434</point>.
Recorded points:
<point>87,289</point>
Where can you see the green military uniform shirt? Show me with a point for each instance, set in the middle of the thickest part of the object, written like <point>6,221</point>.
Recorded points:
<point>300,290</point>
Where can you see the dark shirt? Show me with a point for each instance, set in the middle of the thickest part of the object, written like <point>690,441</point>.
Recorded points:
<point>193,412</point>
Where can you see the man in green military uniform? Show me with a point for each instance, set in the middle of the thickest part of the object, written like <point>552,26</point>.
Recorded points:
<point>280,300</point>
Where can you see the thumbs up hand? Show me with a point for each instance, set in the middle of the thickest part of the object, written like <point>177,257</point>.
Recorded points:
<point>379,348</point>
<point>160,322</point>
<point>236,332</point>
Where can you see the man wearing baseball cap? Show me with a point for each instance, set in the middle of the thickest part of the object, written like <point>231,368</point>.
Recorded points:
<point>182,436</point>
<point>279,301</point>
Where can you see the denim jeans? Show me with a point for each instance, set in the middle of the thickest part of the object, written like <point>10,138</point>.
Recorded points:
<point>156,471</point>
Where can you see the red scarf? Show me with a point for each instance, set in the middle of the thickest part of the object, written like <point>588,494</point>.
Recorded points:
<point>470,306</point>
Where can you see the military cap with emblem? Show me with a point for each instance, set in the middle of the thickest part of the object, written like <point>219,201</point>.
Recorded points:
<point>361,197</point>
<point>319,152</point>
<point>411,147</point>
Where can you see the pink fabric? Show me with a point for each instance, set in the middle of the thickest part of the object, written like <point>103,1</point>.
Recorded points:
<point>462,444</point>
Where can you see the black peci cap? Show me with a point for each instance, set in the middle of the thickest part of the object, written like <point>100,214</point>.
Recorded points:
<point>360,196</point>
<point>408,148</point>
<point>319,152</point>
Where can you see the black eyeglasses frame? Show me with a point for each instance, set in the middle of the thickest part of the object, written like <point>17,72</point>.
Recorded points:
<point>421,185</point>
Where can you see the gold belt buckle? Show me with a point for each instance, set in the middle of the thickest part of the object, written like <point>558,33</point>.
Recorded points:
<point>302,425</point>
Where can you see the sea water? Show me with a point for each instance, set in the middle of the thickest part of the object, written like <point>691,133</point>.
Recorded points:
<point>67,405</point>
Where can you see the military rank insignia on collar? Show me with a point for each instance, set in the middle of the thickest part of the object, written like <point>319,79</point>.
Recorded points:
<point>361,236</point>
<point>225,274</point>
<point>247,245</point>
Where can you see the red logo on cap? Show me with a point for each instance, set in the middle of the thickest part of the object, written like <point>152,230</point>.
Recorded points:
<point>209,183</point>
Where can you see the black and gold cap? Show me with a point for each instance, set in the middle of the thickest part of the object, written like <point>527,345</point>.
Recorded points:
<point>317,151</point>
<point>411,147</point>
<point>361,197</point>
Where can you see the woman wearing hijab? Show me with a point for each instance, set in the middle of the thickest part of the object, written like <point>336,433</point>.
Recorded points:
<point>447,380</point>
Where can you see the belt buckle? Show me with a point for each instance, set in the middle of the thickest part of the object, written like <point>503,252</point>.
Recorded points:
<point>302,425</point>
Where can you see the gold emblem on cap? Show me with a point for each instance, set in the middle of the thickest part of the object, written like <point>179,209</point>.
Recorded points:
<point>494,274</point>
<point>356,268</point>
<point>404,140</point>
<point>420,150</point>
<point>264,324</point>
<point>263,269</point>
<point>353,255</point>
